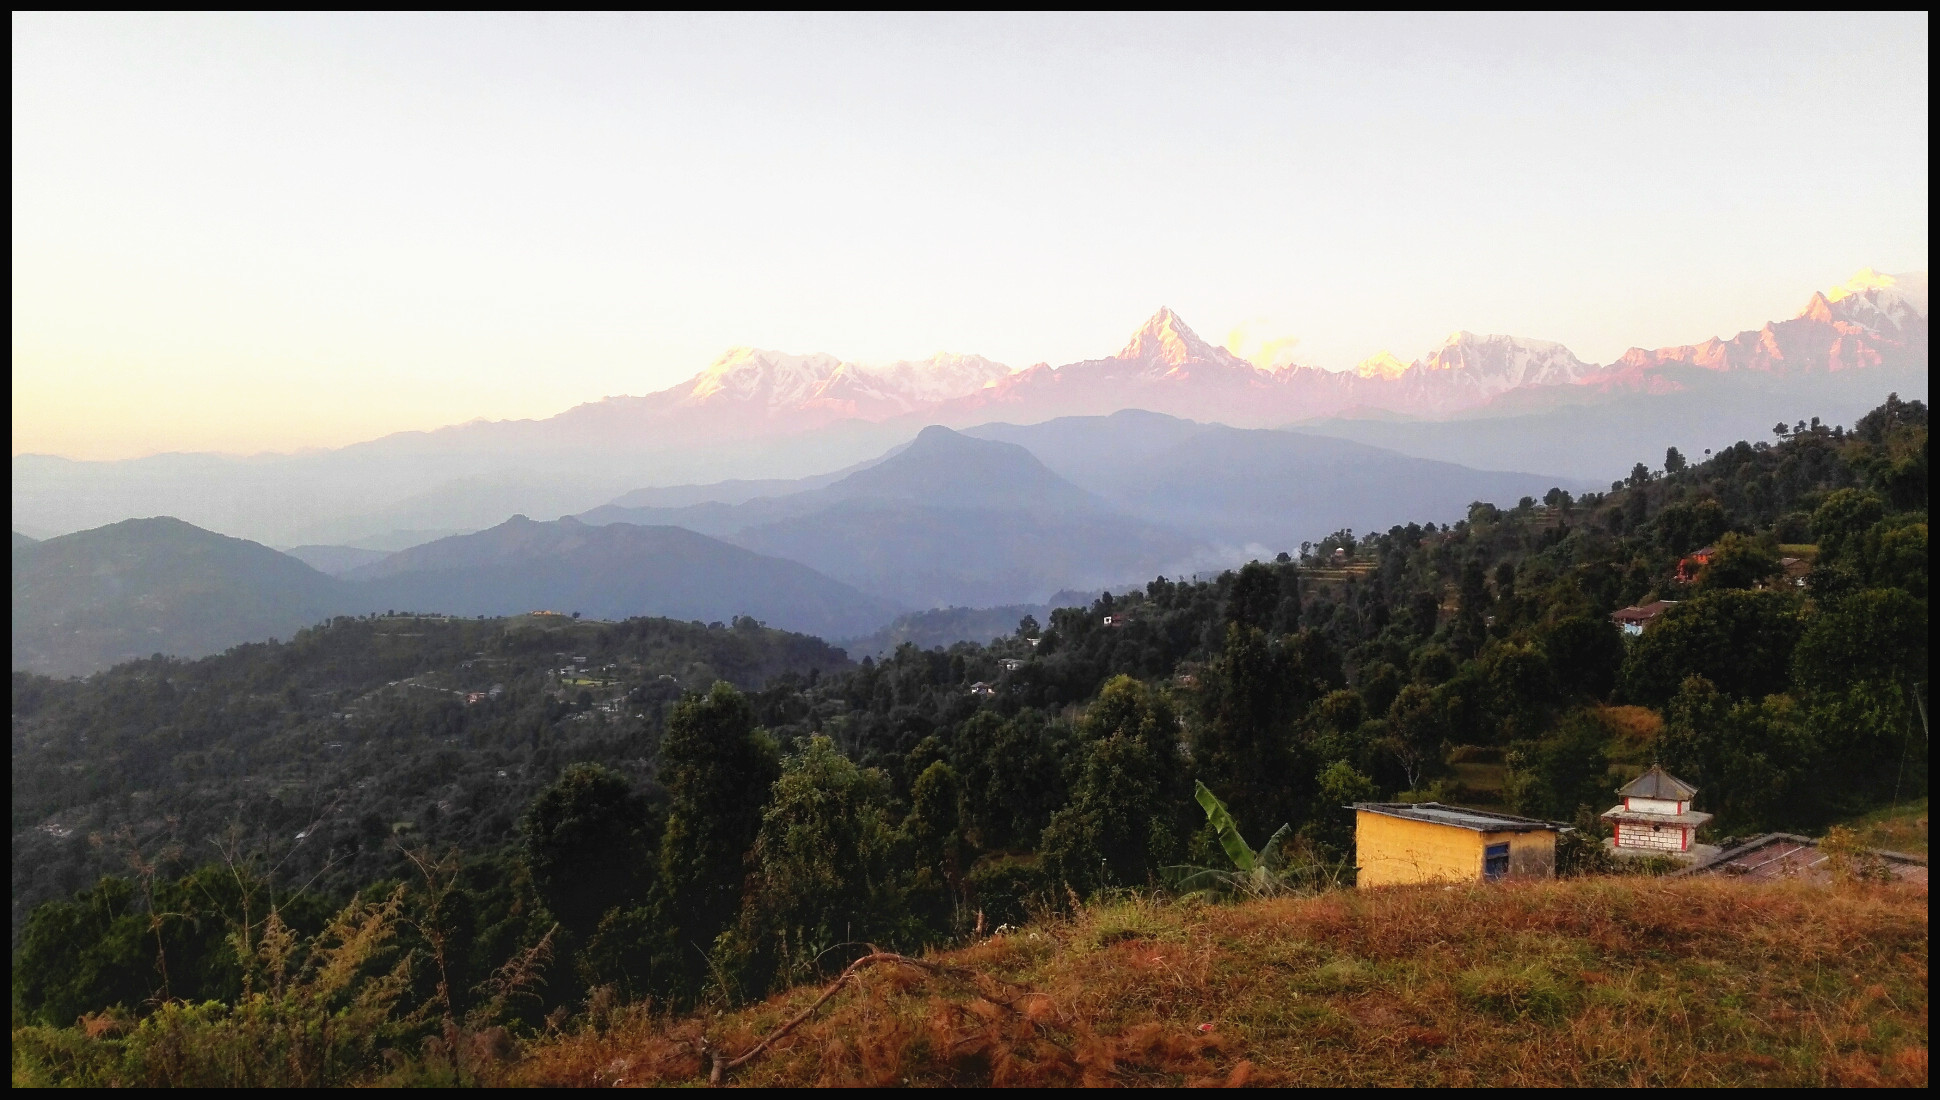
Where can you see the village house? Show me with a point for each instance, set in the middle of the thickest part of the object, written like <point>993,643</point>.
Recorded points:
<point>1633,620</point>
<point>1689,565</point>
<point>1399,843</point>
<point>1010,664</point>
<point>1655,818</point>
<point>1795,570</point>
<point>982,688</point>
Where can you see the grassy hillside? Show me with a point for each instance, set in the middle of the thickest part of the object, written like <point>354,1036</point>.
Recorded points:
<point>1605,982</point>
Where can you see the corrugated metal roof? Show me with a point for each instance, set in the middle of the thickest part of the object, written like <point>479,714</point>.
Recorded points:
<point>1658,783</point>
<point>1787,855</point>
<point>1481,821</point>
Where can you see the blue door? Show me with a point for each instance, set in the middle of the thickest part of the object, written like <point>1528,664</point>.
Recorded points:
<point>1495,862</point>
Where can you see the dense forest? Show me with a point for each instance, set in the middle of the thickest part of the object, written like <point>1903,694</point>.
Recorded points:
<point>680,811</point>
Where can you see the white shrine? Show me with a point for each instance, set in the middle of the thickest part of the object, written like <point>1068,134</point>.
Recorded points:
<point>1655,817</point>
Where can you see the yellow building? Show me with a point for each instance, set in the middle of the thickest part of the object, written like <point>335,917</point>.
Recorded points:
<point>1403,842</point>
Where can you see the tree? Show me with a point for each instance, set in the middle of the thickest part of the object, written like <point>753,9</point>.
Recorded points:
<point>84,955</point>
<point>1739,641</point>
<point>1674,461</point>
<point>1380,683</point>
<point>718,771</point>
<point>1244,746</point>
<point>1120,825</point>
<point>1567,770</point>
<point>1417,728</point>
<point>1737,562</point>
<point>1842,520</point>
<point>589,845</point>
<point>1521,687</point>
<point>1747,759</point>
<point>1011,777</point>
<point>1689,525</point>
<point>1264,597</point>
<point>825,865</point>
<point>1339,787</point>
<point>1585,654</point>
<point>1878,634</point>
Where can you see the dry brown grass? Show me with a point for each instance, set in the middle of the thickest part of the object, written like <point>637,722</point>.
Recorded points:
<point>1898,829</point>
<point>1620,982</point>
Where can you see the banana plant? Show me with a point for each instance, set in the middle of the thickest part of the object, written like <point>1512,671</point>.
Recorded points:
<point>1254,874</point>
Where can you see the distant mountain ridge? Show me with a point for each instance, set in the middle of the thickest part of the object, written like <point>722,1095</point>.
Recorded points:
<point>946,520</point>
<point>613,571</point>
<point>91,599</point>
<point>765,415</point>
<point>1871,320</point>
<point>1257,491</point>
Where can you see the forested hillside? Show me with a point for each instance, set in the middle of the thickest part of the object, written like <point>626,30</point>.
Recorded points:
<point>720,842</point>
<point>355,733</point>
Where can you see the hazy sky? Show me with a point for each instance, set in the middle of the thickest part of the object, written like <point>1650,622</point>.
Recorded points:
<point>248,232</point>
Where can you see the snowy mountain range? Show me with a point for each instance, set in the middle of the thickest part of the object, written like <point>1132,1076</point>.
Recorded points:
<point>1872,320</point>
<point>756,415</point>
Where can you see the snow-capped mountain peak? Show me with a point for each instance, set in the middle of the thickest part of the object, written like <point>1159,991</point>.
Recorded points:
<point>1875,300</point>
<point>1382,364</point>
<point>1506,361</point>
<point>777,379</point>
<point>767,377</point>
<point>1166,339</point>
<point>940,377</point>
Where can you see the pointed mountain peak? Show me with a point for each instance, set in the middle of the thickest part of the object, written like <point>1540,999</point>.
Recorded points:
<point>1166,338</point>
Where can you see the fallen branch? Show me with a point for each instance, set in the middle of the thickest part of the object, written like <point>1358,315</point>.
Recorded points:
<point>718,1073</point>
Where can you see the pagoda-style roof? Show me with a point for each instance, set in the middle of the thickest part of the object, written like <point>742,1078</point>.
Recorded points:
<point>1658,783</point>
<point>1693,818</point>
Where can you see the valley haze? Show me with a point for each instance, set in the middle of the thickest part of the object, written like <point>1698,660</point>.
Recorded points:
<point>1171,457</point>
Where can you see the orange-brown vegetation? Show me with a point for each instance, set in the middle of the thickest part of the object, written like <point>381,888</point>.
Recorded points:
<point>1622,982</point>
<point>1633,731</point>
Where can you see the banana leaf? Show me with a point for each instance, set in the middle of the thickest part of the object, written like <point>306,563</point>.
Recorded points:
<point>1225,826</point>
<point>1272,855</point>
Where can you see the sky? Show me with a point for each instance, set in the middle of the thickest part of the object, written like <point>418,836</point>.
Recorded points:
<point>250,233</point>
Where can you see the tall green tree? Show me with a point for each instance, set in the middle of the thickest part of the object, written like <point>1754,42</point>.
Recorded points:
<point>1244,745</point>
<point>1122,823</point>
<point>590,844</point>
<point>1011,773</point>
<point>719,771</point>
<point>826,863</point>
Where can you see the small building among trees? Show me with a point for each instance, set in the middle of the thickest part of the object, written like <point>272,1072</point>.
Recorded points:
<point>1655,817</point>
<point>1633,620</point>
<point>1414,842</point>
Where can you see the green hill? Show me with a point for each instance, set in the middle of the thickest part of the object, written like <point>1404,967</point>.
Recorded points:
<point>87,600</point>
